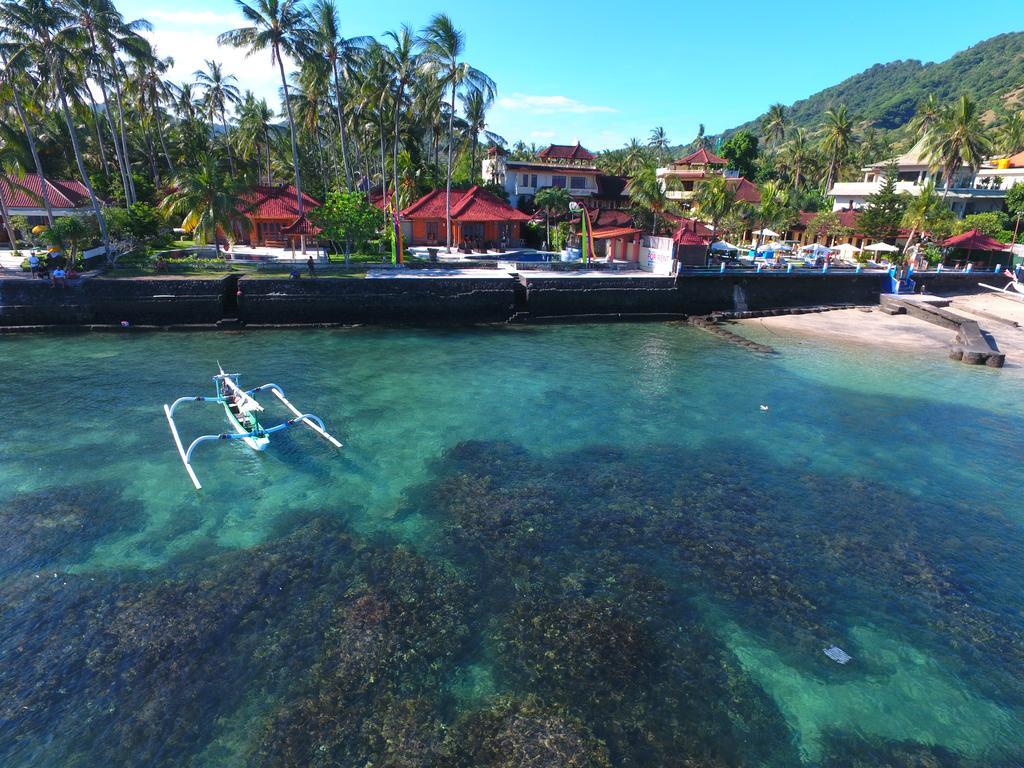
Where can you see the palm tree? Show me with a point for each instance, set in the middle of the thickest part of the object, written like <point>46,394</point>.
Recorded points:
<point>13,67</point>
<point>797,154</point>
<point>958,139</point>
<point>279,26</point>
<point>647,191</point>
<point>49,34</point>
<point>658,141</point>
<point>923,211</point>
<point>254,121</point>
<point>341,54</point>
<point>443,47</point>
<point>476,104</point>
<point>927,115</point>
<point>774,209</point>
<point>1011,134</point>
<point>403,58</point>
<point>773,124</point>
<point>552,200</point>
<point>715,200</point>
<point>207,199</point>
<point>637,157</point>
<point>153,91</point>
<point>836,142</point>
<point>219,90</point>
<point>701,141</point>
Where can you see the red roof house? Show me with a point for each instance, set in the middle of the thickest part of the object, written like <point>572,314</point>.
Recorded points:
<point>23,196</point>
<point>273,214</point>
<point>702,157</point>
<point>478,218</point>
<point>566,152</point>
<point>746,191</point>
<point>975,240</point>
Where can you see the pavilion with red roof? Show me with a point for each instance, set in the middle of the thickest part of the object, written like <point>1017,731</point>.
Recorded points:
<point>479,219</point>
<point>702,158</point>
<point>274,216</point>
<point>976,241</point>
<point>23,196</point>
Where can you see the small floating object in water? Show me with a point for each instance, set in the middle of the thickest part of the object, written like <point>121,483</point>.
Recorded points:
<point>764,407</point>
<point>241,409</point>
<point>838,655</point>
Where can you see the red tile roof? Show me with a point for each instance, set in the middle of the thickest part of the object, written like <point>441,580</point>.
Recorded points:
<point>565,152</point>
<point>473,204</point>
<point>847,218</point>
<point>686,237</point>
<point>746,191</point>
<point>605,217</point>
<point>702,157</point>
<point>26,192</point>
<point>975,240</point>
<point>277,202</point>
<point>692,231</point>
<point>611,233</point>
<point>301,226</point>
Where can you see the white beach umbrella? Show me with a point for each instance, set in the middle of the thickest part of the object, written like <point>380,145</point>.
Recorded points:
<point>721,245</point>
<point>846,250</point>
<point>768,233</point>
<point>881,248</point>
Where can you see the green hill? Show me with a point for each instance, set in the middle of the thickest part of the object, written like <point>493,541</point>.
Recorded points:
<point>886,95</point>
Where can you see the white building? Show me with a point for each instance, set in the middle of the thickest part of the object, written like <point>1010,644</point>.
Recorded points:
<point>569,167</point>
<point>972,192</point>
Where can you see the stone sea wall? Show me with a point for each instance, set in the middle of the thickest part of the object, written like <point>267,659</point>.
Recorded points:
<point>437,300</point>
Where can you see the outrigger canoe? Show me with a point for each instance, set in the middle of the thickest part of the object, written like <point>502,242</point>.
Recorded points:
<point>241,409</point>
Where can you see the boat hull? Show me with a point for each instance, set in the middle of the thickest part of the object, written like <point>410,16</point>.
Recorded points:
<point>256,443</point>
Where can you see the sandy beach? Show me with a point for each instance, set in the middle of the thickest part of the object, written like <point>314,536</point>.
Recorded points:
<point>1001,317</point>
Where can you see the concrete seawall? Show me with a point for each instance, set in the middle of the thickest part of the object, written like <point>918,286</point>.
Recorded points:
<point>438,299</point>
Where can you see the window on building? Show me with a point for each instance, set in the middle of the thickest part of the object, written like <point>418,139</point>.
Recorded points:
<point>526,180</point>
<point>558,181</point>
<point>578,182</point>
<point>432,232</point>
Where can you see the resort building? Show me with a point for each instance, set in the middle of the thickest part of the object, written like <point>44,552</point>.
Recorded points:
<point>273,216</point>
<point>22,196</point>
<point>479,219</point>
<point>683,177</point>
<point>978,191</point>
<point>570,167</point>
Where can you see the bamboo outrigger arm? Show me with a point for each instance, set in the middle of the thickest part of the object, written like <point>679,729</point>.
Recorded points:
<point>308,419</point>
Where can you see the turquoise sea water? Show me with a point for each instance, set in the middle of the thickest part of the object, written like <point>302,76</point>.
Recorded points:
<point>578,545</point>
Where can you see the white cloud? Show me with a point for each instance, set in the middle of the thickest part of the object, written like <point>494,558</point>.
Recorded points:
<point>196,18</point>
<point>545,135</point>
<point>547,105</point>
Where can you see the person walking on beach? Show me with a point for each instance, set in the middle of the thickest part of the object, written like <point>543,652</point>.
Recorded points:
<point>33,265</point>
<point>311,266</point>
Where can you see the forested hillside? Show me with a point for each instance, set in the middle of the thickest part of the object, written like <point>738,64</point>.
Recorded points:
<point>991,72</point>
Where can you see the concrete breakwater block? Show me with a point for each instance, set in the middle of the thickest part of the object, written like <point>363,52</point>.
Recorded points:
<point>712,326</point>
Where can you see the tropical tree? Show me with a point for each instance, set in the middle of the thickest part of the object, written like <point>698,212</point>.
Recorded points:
<point>774,209</point>
<point>253,134</point>
<point>796,155</point>
<point>928,113</point>
<point>207,200</point>
<point>925,212</point>
<point>278,26</point>
<point>836,141</point>
<point>553,200</point>
<point>647,191</point>
<point>49,34</point>
<point>715,201</point>
<point>404,60</point>
<point>443,48</point>
<point>884,209</point>
<point>658,142</point>
<point>741,150</point>
<point>958,139</point>
<point>219,90</point>
<point>1011,134</point>
<point>774,123</point>
<point>342,55</point>
<point>1015,205</point>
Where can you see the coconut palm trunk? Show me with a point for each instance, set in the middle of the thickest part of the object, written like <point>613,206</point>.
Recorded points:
<point>31,144</point>
<point>291,128</point>
<point>98,125</point>
<point>341,127</point>
<point>58,81</point>
<point>448,179</point>
<point>124,136</point>
<point>122,165</point>
<point>163,145</point>
<point>7,221</point>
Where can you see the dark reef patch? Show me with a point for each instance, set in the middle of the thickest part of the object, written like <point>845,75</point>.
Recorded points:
<point>582,586</point>
<point>54,527</point>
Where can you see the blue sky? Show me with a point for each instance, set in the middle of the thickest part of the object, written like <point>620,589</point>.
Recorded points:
<point>616,70</point>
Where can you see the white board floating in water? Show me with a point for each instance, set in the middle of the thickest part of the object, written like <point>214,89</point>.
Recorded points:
<point>838,655</point>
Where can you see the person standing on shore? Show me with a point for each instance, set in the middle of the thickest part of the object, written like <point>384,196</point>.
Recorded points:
<point>311,266</point>
<point>33,265</point>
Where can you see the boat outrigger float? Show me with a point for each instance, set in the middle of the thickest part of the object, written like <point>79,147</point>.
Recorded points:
<point>241,410</point>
